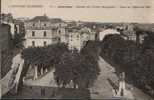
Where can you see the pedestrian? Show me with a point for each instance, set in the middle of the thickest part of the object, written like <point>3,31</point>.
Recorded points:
<point>122,84</point>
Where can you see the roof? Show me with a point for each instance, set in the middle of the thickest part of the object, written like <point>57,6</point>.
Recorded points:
<point>55,20</point>
<point>46,19</point>
<point>73,29</point>
<point>85,30</point>
<point>106,32</point>
<point>110,31</point>
<point>40,18</point>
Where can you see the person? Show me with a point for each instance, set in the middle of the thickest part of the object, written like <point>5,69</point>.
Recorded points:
<point>122,84</point>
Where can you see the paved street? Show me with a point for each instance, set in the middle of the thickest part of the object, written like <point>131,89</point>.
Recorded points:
<point>46,80</point>
<point>103,88</point>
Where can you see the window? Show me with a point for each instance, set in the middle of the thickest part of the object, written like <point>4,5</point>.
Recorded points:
<point>45,43</point>
<point>33,24</point>
<point>59,31</point>
<point>33,43</point>
<point>33,33</point>
<point>45,34</point>
<point>77,37</point>
<point>59,39</point>
<point>45,24</point>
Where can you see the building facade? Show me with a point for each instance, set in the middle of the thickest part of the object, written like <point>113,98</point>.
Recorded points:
<point>42,31</point>
<point>129,32</point>
<point>79,36</point>
<point>5,49</point>
<point>5,37</point>
<point>16,26</point>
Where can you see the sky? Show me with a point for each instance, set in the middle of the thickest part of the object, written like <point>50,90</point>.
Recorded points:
<point>117,11</point>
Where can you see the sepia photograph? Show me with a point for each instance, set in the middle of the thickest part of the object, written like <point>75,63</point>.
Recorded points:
<point>97,49</point>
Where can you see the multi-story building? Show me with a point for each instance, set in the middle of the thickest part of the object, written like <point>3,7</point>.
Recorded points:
<point>74,38</point>
<point>79,36</point>
<point>42,31</point>
<point>19,27</point>
<point>129,32</point>
<point>16,26</point>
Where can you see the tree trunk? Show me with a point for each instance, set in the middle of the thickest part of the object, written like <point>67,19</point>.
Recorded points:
<point>46,70</point>
<point>35,73</point>
<point>41,71</point>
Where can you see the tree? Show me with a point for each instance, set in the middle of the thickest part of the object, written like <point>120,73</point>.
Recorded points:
<point>43,57</point>
<point>64,69</point>
<point>80,68</point>
<point>18,40</point>
<point>136,62</point>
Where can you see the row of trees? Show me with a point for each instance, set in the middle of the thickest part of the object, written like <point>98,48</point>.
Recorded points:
<point>137,62</point>
<point>80,68</point>
<point>41,58</point>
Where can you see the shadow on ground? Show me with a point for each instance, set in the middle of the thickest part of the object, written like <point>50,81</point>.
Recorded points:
<point>37,92</point>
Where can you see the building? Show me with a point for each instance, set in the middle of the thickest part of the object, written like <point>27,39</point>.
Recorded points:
<point>129,32</point>
<point>74,38</point>
<point>107,31</point>
<point>42,31</point>
<point>16,26</point>
<point>19,27</point>
<point>22,19</point>
<point>5,37</point>
<point>5,49</point>
<point>7,17</point>
<point>79,36</point>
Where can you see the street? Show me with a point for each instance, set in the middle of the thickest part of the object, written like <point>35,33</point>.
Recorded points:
<point>104,89</point>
